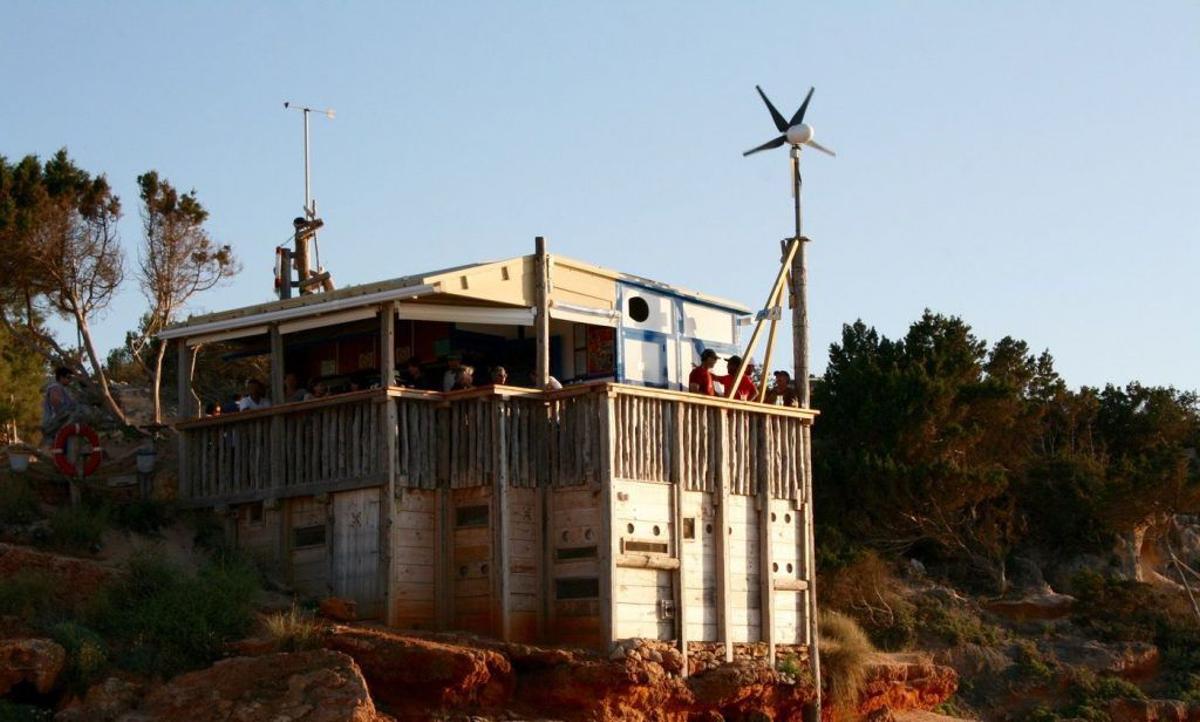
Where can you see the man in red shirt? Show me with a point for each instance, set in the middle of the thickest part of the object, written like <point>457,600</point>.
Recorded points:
<point>746,390</point>
<point>700,381</point>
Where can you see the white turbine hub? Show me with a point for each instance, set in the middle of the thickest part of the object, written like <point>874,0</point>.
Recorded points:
<point>799,134</point>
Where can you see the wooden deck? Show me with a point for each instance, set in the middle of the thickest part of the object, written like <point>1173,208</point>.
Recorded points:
<point>463,439</point>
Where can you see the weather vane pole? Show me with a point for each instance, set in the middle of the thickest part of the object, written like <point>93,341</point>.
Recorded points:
<point>796,133</point>
<point>310,210</point>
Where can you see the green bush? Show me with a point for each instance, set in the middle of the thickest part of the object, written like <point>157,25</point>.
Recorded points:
<point>164,621</point>
<point>78,529</point>
<point>953,625</point>
<point>18,502</point>
<point>845,651</point>
<point>13,712</point>
<point>294,630</point>
<point>30,594</point>
<point>143,516</point>
<point>1031,665</point>
<point>87,654</point>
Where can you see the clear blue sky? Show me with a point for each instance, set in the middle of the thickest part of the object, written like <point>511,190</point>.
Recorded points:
<point>1029,166</point>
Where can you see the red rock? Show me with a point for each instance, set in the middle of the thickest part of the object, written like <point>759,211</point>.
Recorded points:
<point>37,662</point>
<point>104,702</point>
<point>338,609</point>
<point>314,686</point>
<point>1042,606</point>
<point>77,580</point>
<point>419,676</point>
<point>1152,710</point>
<point>900,682</point>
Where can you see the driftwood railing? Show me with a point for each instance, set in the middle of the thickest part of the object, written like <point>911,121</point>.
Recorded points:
<point>470,438</point>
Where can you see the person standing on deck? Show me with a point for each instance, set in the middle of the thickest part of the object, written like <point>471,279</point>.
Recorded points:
<point>746,390</point>
<point>782,393</point>
<point>700,380</point>
<point>293,391</point>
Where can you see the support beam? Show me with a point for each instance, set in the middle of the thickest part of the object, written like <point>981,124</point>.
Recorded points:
<point>391,430</point>
<point>503,517</point>
<point>276,366</point>
<point>609,541</point>
<point>766,572</point>
<point>187,410</point>
<point>541,292</point>
<point>724,600</point>
<point>678,482</point>
<point>772,301</point>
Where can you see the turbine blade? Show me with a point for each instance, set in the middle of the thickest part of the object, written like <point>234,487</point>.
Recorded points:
<point>821,148</point>
<point>799,116</point>
<point>773,143</point>
<point>780,124</point>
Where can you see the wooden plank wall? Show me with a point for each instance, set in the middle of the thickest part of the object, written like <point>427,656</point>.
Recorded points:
<point>323,444</point>
<point>473,565</point>
<point>643,515</point>
<point>414,555</point>
<point>354,549</point>
<point>700,564</point>
<point>575,532</point>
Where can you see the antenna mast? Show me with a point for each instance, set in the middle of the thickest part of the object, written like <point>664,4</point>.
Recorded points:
<point>305,227</point>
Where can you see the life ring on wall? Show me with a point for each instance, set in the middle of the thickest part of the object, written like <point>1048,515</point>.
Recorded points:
<point>64,464</point>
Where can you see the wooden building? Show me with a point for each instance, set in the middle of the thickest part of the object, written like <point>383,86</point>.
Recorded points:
<point>618,507</point>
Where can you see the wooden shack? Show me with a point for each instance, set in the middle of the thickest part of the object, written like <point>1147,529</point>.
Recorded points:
<point>617,507</point>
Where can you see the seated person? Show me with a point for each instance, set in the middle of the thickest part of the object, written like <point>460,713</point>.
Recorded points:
<point>450,377</point>
<point>746,390</point>
<point>255,398</point>
<point>700,380</point>
<point>465,379</point>
<point>499,376</point>
<point>782,392</point>
<point>292,390</point>
<point>212,409</point>
<point>552,384</point>
<point>319,389</point>
<point>411,376</point>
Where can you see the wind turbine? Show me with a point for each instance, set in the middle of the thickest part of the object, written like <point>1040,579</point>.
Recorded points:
<point>797,134</point>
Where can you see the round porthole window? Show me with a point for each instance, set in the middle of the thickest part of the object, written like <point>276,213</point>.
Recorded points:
<point>656,530</point>
<point>639,310</point>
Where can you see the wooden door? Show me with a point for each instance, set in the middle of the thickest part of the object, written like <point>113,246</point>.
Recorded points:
<point>354,562</point>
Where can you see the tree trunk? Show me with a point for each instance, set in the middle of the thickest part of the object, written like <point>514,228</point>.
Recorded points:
<point>158,366</point>
<point>98,369</point>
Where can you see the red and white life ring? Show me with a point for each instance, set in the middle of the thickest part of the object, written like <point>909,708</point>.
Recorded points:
<point>64,464</point>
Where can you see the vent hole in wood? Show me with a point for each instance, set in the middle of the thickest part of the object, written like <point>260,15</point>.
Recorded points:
<point>629,528</point>
<point>772,516</point>
<point>566,535</point>
<point>587,534</point>
<point>483,568</point>
<point>656,530</point>
<point>787,518</point>
<point>582,588</point>
<point>566,554</point>
<point>789,568</point>
<point>644,547</point>
<point>468,516</point>
<point>708,528</point>
<point>689,528</point>
<point>308,536</point>
<point>774,566</point>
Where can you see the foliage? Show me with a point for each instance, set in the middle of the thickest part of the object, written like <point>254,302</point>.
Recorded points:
<point>941,446</point>
<point>78,529</point>
<point>30,595</point>
<point>21,375</point>
<point>178,259</point>
<point>63,257</point>
<point>294,630</point>
<point>18,501</point>
<point>864,588</point>
<point>87,654</point>
<point>951,624</point>
<point>142,516</point>
<point>163,621</point>
<point>1031,665</point>
<point>16,712</point>
<point>845,651</point>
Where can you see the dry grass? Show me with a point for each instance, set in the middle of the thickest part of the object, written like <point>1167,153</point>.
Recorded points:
<point>294,630</point>
<point>845,650</point>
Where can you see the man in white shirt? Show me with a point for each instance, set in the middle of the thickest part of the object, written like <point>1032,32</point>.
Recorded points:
<point>255,398</point>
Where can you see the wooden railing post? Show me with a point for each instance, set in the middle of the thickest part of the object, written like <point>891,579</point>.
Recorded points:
<point>609,539</point>
<point>500,493</point>
<point>391,429</point>
<point>675,444</point>
<point>765,554</point>
<point>724,598</point>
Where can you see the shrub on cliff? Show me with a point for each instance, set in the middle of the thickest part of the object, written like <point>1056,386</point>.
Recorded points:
<point>162,620</point>
<point>845,651</point>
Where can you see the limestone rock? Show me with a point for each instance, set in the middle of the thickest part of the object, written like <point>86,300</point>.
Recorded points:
<point>37,662</point>
<point>104,702</point>
<point>314,686</point>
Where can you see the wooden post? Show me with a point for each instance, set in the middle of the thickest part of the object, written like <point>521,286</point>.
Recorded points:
<point>187,410</point>
<point>772,300</point>
<point>766,574</point>
<point>609,539</point>
<point>391,430</point>
<point>679,484</point>
<point>500,494</point>
<point>541,292</point>
<point>724,600</point>
<point>810,562</point>
<point>276,366</point>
